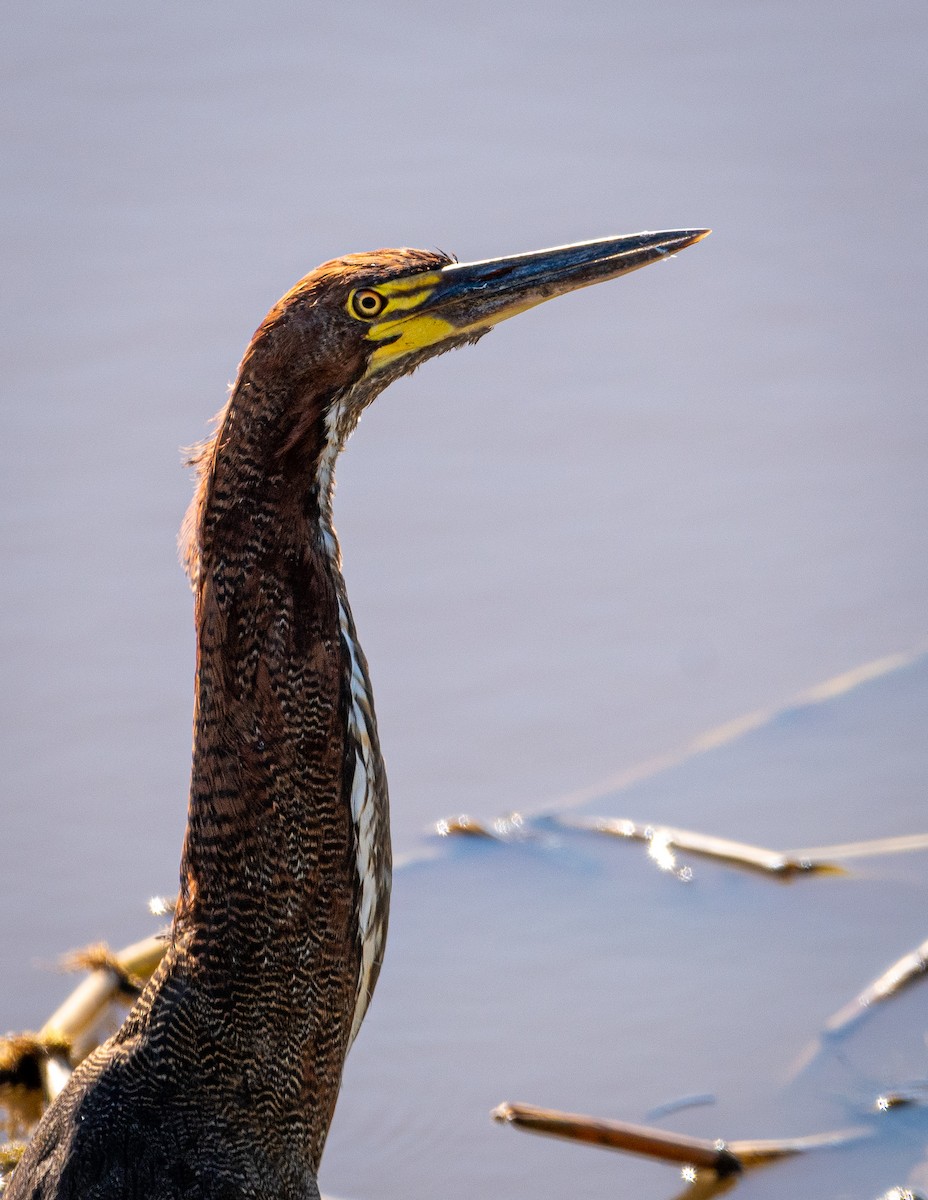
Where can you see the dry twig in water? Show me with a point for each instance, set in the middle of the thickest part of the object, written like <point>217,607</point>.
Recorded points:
<point>45,1060</point>
<point>724,1158</point>
<point>906,970</point>
<point>739,854</point>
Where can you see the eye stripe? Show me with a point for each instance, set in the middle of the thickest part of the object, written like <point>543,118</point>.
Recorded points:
<point>409,299</point>
<point>368,303</point>
<point>414,283</point>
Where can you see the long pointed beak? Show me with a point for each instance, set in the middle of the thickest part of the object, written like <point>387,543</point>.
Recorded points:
<point>490,289</point>
<point>465,299</point>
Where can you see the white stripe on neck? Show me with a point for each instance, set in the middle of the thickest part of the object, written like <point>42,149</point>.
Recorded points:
<point>364,814</point>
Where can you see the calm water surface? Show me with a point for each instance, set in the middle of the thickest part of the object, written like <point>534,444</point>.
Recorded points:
<point>620,521</point>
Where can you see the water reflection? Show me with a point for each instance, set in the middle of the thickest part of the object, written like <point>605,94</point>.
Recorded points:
<point>536,958</point>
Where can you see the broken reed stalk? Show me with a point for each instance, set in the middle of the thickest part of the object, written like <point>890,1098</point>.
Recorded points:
<point>740,854</point>
<point>110,976</point>
<point>724,1158</point>
<point>620,1135</point>
<point>68,1035</point>
<point>906,970</point>
<point>783,864</point>
<point>905,844</point>
<point>464,826</point>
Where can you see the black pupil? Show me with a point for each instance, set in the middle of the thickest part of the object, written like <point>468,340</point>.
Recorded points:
<point>369,303</point>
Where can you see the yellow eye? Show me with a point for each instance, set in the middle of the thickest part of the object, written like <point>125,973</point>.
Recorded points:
<point>366,303</point>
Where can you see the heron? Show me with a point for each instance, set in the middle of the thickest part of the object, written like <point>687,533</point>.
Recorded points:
<point>222,1081</point>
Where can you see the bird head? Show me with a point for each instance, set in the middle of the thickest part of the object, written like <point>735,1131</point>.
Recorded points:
<point>352,326</point>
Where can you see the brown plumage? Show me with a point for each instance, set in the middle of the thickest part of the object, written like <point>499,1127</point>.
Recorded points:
<point>223,1079</point>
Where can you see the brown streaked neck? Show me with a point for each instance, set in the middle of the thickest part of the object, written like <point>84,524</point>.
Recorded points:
<point>271,895</point>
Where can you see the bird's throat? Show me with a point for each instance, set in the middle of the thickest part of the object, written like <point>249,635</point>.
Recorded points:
<point>286,868</point>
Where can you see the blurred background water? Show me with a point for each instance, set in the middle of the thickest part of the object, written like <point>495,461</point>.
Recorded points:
<point>623,519</point>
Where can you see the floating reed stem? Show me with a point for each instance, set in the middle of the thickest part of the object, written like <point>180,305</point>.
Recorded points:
<point>43,1062</point>
<point>724,1158</point>
<point>620,1135</point>
<point>740,854</point>
<point>111,975</point>
<point>906,970</point>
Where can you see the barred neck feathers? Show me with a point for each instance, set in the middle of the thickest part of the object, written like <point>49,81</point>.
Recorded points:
<point>285,876</point>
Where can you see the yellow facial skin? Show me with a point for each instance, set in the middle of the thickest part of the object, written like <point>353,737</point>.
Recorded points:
<point>406,329</point>
<point>397,322</point>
